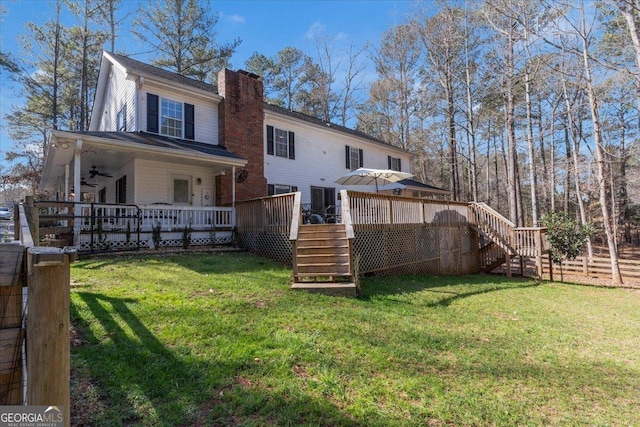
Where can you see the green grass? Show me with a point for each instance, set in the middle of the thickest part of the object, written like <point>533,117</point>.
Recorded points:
<point>221,340</point>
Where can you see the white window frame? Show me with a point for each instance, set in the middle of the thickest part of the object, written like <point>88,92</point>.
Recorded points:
<point>187,178</point>
<point>171,118</point>
<point>395,163</point>
<point>354,158</point>
<point>121,119</point>
<point>280,142</point>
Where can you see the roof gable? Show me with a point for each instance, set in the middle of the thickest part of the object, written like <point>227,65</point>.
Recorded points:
<point>140,68</point>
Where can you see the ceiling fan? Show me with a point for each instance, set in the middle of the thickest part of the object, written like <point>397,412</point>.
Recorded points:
<point>88,184</point>
<point>94,171</point>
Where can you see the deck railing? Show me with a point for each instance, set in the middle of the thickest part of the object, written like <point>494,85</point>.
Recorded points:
<point>112,227</point>
<point>268,213</point>
<point>368,209</point>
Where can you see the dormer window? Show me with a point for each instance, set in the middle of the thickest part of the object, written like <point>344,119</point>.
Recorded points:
<point>170,118</point>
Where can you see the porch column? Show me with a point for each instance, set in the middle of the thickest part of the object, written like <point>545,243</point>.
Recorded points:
<point>76,172</point>
<point>66,182</point>
<point>77,191</point>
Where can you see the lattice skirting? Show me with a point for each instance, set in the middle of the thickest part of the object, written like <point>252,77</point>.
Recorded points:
<point>416,250</point>
<point>118,241</point>
<point>273,245</point>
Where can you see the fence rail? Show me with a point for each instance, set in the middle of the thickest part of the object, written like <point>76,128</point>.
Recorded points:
<point>595,267</point>
<point>371,209</point>
<point>272,213</point>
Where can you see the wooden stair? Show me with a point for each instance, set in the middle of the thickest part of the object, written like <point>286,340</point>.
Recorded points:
<point>322,260</point>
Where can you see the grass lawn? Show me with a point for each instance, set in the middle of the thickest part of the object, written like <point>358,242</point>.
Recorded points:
<point>219,339</point>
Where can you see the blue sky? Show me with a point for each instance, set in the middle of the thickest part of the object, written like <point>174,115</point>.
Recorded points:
<point>263,26</point>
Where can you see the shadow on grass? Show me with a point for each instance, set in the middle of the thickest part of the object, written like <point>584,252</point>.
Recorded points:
<point>446,289</point>
<point>141,381</point>
<point>204,263</point>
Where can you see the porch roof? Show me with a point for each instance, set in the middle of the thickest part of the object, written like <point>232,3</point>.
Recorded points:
<point>111,150</point>
<point>414,185</point>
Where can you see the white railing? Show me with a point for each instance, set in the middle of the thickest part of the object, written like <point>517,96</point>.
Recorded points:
<point>121,217</point>
<point>198,218</point>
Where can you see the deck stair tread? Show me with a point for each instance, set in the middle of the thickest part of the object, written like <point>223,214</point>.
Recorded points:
<point>323,260</point>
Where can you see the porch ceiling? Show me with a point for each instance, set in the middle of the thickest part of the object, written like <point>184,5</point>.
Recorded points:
<point>110,151</point>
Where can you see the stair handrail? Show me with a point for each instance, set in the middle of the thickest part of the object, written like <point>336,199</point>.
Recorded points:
<point>296,216</point>
<point>489,209</point>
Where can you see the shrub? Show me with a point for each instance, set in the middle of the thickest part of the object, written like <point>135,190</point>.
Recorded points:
<point>565,236</point>
<point>156,236</point>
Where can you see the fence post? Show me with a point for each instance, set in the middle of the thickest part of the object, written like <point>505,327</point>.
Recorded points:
<point>48,357</point>
<point>538,245</point>
<point>585,266</point>
<point>33,218</point>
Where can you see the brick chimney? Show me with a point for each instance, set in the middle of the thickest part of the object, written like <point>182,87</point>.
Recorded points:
<point>241,131</point>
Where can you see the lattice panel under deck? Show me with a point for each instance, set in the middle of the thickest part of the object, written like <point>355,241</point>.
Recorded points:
<point>276,246</point>
<point>400,246</point>
<point>369,245</point>
<point>428,243</point>
<point>450,250</point>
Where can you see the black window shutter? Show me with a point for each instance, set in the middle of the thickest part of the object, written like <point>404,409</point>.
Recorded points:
<point>292,146</point>
<point>269,139</point>
<point>152,113</point>
<point>347,153</point>
<point>399,164</point>
<point>388,162</point>
<point>189,122</point>
<point>271,190</point>
<point>361,158</point>
<point>294,188</point>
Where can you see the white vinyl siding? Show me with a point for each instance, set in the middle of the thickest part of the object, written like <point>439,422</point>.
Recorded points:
<point>154,181</point>
<point>119,92</point>
<point>320,156</point>
<point>206,113</point>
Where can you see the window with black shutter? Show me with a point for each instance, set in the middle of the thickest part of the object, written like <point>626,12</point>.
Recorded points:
<point>170,118</point>
<point>152,113</point>
<point>280,143</point>
<point>354,157</point>
<point>394,163</point>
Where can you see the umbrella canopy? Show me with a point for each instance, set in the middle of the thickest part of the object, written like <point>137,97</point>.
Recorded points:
<point>366,176</point>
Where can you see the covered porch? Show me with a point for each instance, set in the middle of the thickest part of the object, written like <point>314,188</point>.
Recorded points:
<point>117,190</point>
<point>137,168</point>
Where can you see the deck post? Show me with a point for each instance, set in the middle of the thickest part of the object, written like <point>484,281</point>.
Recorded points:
<point>538,243</point>
<point>48,353</point>
<point>508,262</point>
<point>550,267</point>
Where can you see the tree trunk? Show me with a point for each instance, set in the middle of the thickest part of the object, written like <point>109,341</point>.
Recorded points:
<point>576,175</point>
<point>600,157</point>
<point>512,155</point>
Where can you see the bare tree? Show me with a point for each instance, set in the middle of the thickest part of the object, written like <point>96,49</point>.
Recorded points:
<point>182,35</point>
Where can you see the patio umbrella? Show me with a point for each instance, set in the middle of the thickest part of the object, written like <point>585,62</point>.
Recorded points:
<point>366,176</point>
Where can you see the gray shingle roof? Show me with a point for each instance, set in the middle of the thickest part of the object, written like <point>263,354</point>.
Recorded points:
<point>162,141</point>
<point>412,183</point>
<point>150,70</point>
<point>320,122</point>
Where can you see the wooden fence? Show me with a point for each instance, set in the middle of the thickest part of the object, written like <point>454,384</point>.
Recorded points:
<point>263,226</point>
<point>34,349</point>
<point>595,267</point>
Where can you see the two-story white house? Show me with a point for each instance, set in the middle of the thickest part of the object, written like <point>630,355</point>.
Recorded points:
<point>160,138</point>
